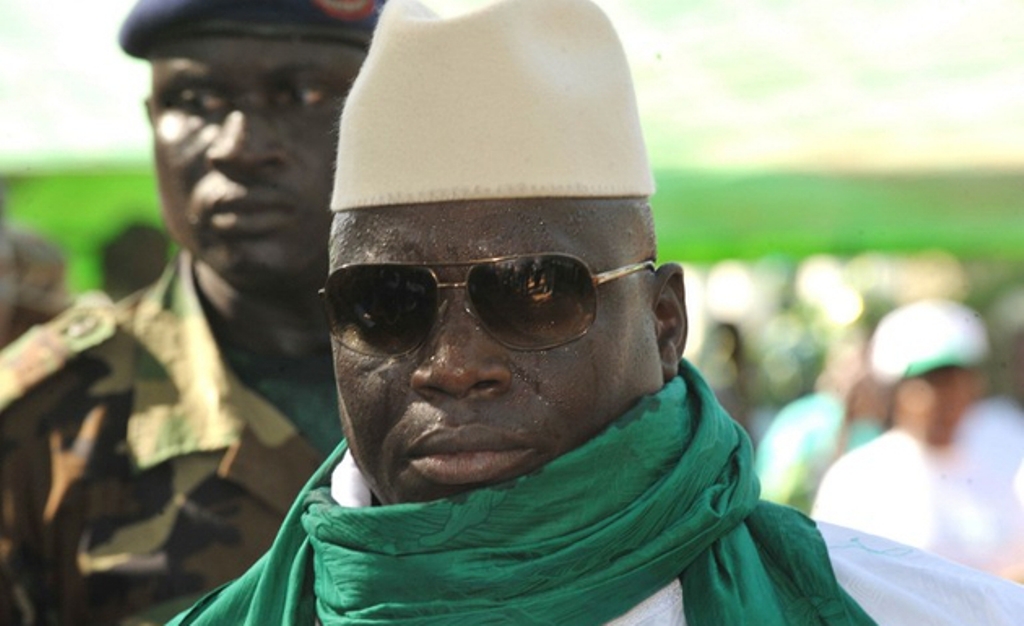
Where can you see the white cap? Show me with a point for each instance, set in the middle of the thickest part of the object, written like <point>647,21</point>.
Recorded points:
<point>523,98</point>
<point>926,335</point>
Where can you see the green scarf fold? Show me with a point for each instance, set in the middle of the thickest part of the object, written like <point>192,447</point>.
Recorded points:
<point>667,491</point>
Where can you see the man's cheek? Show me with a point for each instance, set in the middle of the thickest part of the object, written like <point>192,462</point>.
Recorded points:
<point>368,396</point>
<point>171,128</point>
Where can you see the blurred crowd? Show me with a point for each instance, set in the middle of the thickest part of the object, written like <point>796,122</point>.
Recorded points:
<point>882,393</point>
<point>34,286</point>
<point>32,279</point>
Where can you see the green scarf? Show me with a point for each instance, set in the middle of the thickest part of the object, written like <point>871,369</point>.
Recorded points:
<point>667,491</point>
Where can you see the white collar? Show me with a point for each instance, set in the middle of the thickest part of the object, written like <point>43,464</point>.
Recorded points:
<point>348,487</point>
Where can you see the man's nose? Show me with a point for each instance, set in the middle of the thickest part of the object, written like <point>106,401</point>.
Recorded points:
<point>247,144</point>
<point>461,360</point>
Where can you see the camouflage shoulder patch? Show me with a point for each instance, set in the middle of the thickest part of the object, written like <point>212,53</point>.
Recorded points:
<point>43,350</point>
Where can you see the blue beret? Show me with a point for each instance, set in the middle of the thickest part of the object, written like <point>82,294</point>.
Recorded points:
<point>152,20</point>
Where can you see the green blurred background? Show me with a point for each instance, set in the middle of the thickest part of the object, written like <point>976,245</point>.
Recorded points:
<point>701,216</point>
<point>775,126</point>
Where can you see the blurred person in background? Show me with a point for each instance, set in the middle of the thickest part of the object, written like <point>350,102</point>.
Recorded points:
<point>917,483</point>
<point>32,279</point>
<point>150,449</point>
<point>724,361</point>
<point>994,427</point>
<point>133,259</point>
<point>40,288</point>
<point>808,434</point>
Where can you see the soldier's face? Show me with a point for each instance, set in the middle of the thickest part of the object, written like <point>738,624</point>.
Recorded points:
<point>463,410</point>
<point>244,148</point>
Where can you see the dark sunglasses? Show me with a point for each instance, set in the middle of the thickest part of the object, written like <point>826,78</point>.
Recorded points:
<point>526,302</point>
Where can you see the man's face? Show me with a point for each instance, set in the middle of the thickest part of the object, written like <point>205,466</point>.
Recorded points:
<point>244,146</point>
<point>463,410</point>
<point>932,406</point>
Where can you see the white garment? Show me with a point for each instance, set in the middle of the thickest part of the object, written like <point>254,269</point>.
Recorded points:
<point>955,503</point>
<point>895,584</point>
<point>993,430</point>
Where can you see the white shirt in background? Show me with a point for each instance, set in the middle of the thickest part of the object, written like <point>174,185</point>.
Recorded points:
<point>957,503</point>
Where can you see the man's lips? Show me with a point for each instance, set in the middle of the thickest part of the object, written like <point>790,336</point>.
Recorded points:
<point>472,468</point>
<point>469,455</point>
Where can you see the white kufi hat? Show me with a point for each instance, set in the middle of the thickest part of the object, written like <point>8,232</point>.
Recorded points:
<point>926,335</point>
<point>524,98</point>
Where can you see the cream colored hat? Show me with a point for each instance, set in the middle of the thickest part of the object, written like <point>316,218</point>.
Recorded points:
<point>926,335</point>
<point>524,98</point>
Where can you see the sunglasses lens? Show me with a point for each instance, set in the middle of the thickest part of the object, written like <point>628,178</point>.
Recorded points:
<point>533,302</point>
<point>381,309</point>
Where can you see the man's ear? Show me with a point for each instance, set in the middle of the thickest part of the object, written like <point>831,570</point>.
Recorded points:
<point>670,317</point>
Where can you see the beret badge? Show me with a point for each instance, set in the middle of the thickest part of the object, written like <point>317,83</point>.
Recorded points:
<point>346,9</point>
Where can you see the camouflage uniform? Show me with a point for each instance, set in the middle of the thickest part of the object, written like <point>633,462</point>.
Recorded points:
<point>134,465</point>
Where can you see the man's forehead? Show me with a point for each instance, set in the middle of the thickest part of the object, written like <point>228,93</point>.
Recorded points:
<point>458,231</point>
